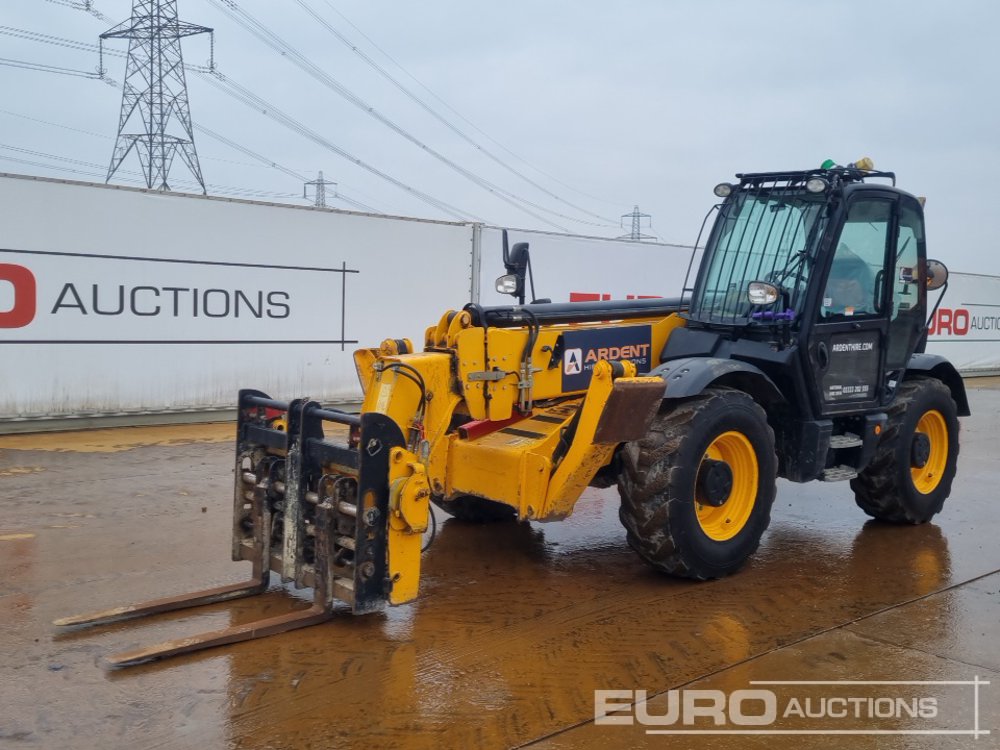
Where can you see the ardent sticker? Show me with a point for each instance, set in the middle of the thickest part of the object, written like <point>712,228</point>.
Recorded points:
<point>852,372</point>
<point>586,348</point>
<point>573,362</point>
<point>856,346</point>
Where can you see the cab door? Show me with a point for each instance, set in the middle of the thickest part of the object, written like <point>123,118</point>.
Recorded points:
<point>847,345</point>
<point>908,285</point>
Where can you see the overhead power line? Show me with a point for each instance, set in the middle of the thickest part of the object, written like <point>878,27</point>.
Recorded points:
<point>69,170</point>
<point>54,124</point>
<point>100,49</point>
<point>36,36</point>
<point>84,46</point>
<point>254,102</point>
<point>253,154</point>
<point>268,162</point>
<point>92,169</point>
<point>44,68</point>
<point>86,6</point>
<point>248,98</point>
<point>462,117</point>
<point>338,195</point>
<point>262,32</point>
<point>264,161</point>
<point>441,118</point>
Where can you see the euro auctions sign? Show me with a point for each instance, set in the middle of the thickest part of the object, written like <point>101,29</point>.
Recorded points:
<point>963,321</point>
<point>918,708</point>
<point>17,305</point>
<point>965,328</point>
<point>62,298</point>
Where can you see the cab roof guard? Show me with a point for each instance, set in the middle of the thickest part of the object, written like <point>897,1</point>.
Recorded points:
<point>834,175</point>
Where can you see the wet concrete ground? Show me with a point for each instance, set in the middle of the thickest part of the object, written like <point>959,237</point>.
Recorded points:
<point>517,625</point>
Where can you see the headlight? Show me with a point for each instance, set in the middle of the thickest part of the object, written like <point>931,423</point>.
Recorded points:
<point>507,284</point>
<point>816,185</point>
<point>723,190</point>
<point>762,293</point>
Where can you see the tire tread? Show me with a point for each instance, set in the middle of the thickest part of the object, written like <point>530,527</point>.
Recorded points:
<point>651,480</point>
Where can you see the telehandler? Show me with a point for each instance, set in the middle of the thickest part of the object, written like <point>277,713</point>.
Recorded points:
<point>797,352</point>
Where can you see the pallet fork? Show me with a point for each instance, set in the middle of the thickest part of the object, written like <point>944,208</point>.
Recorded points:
<point>312,510</point>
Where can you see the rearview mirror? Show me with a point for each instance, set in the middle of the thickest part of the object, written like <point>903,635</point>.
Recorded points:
<point>937,274</point>
<point>517,262</point>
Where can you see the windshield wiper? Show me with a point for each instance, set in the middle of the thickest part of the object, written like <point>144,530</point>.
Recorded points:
<point>793,265</point>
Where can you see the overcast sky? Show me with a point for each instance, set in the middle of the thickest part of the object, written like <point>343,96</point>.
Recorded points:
<point>603,106</point>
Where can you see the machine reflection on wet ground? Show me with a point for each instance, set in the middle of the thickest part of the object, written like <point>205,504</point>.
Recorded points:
<point>516,627</point>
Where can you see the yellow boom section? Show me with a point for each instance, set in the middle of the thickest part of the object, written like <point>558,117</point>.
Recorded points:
<point>486,417</point>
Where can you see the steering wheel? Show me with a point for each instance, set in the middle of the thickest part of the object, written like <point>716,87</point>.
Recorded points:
<point>794,286</point>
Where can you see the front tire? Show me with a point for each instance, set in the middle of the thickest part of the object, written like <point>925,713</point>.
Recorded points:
<point>697,491</point>
<point>911,474</point>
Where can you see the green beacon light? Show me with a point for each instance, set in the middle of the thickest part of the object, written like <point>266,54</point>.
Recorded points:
<point>865,164</point>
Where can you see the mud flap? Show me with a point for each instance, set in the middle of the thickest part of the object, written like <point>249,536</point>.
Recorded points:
<point>630,410</point>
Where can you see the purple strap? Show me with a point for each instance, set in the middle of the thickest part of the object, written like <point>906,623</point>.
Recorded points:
<point>772,315</point>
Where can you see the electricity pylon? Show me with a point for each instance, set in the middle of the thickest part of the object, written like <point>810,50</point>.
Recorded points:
<point>155,90</point>
<point>320,186</point>
<point>636,235</point>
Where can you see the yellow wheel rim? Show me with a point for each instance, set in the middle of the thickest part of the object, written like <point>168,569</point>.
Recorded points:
<point>727,520</point>
<point>927,477</point>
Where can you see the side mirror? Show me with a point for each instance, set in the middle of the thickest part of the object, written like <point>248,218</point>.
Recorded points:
<point>762,293</point>
<point>517,259</point>
<point>937,274</point>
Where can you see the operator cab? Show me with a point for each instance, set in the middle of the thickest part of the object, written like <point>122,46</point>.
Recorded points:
<point>820,279</point>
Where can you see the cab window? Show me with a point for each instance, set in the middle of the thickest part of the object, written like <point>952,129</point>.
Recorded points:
<point>852,289</point>
<point>908,290</point>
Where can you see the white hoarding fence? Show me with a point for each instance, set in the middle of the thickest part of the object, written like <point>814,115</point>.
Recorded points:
<point>966,326</point>
<point>120,300</point>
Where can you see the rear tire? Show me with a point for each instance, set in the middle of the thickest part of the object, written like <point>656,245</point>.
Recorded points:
<point>668,477</point>
<point>472,509</point>
<point>910,476</point>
